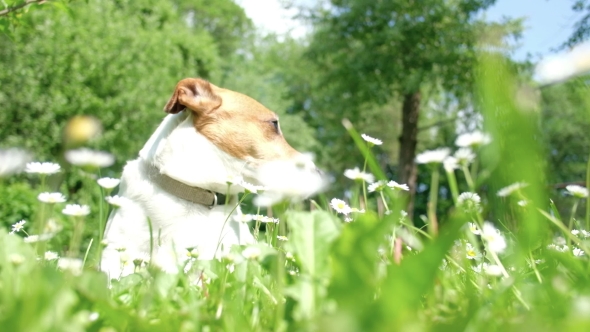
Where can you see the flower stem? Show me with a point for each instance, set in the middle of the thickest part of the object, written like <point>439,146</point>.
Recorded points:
<point>574,209</point>
<point>453,185</point>
<point>364,203</point>
<point>384,202</point>
<point>587,199</point>
<point>468,178</point>
<point>76,237</point>
<point>227,218</point>
<point>432,202</point>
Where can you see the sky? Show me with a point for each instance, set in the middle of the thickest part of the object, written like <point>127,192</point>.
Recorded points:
<point>548,22</point>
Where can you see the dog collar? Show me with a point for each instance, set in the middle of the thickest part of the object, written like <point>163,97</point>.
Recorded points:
<point>182,190</point>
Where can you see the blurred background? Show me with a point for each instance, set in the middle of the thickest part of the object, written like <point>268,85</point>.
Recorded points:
<point>97,73</point>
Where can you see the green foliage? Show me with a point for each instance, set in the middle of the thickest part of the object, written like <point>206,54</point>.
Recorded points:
<point>17,203</point>
<point>582,26</point>
<point>102,61</point>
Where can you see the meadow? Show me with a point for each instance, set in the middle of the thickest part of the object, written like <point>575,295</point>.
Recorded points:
<point>492,243</point>
<point>330,263</point>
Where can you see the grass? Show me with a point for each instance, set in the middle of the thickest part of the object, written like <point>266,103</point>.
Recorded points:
<point>523,270</point>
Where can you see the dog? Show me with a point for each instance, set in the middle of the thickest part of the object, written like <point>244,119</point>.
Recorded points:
<point>175,192</point>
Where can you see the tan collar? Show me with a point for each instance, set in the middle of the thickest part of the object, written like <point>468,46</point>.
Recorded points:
<point>184,191</point>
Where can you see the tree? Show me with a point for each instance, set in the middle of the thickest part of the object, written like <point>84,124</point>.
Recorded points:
<point>582,27</point>
<point>373,51</point>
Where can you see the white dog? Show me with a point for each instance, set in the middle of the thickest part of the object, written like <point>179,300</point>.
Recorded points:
<point>178,183</point>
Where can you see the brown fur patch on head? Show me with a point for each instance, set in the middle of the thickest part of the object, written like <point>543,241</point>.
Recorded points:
<point>236,123</point>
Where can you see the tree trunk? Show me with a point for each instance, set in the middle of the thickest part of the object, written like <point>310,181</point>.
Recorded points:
<point>408,141</point>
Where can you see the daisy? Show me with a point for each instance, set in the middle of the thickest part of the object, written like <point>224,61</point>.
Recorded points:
<point>17,227</point>
<point>577,191</point>
<point>492,270</point>
<point>265,219</point>
<point>108,183</point>
<point>13,161</point>
<point>234,179</point>
<point>50,256</point>
<point>51,198</point>
<point>450,163</point>
<point>372,141</point>
<point>87,157</point>
<point>116,201</point>
<point>469,201</point>
<point>243,217</point>
<point>433,156</point>
<point>76,210</point>
<point>252,252</point>
<point>396,186</point>
<point>474,229</point>
<point>470,252</point>
<point>494,239</point>
<point>357,174</point>
<point>42,168</point>
<point>376,186</point>
<point>251,188</point>
<point>340,206</point>
<point>578,252</point>
<point>506,191</point>
<point>473,139</point>
<point>72,265</point>
<point>464,156</point>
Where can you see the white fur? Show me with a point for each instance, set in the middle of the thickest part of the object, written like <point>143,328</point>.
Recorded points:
<point>180,152</point>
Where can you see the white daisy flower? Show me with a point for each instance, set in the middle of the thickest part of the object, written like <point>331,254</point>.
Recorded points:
<point>396,186</point>
<point>506,191</point>
<point>371,140</point>
<point>433,156</point>
<point>474,229</point>
<point>492,270</point>
<point>116,200</point>
<point>494,239</point>
<point>578,252</point>
<point>17,227</point>
<point>282,238</point>
<point>251,188</point>
<point>470,252</point>
<point>469,201</point>
<point>87,157</point>
<point>42,168</point>
<point>243,217</point>
<point>72,265</point>
<point>251,252</point>
<point>473,139</point>
<point>577,191</point>
<point>450,163</point>
<point>234,179</point>
<point>76,210</point>
<point>12,161</point>
<point>464,156</point>
<point>264,219</point>
<point>51,198</point>
<point>16,259</point>
<point>575,232</point>
<point>340,206</point>
<point>50,256</point>
<point>108,183</point>
<point>38,238</point>
<point>376,186</point>
<point>357,174</point>
<point>347,219</point>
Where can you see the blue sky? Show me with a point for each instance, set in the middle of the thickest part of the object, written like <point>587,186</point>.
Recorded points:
<point>548,22</point>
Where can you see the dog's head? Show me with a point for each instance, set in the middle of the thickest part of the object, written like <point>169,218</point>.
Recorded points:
<point>235,123</point>
<point>220,133</point>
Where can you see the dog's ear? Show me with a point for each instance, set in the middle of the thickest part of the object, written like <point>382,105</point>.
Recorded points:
<point>195,94</point>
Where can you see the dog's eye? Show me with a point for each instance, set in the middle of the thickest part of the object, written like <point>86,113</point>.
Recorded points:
<point>275,123</point>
